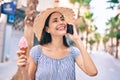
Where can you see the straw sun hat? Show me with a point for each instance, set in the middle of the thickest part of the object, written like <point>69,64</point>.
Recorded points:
<point>41,18</point>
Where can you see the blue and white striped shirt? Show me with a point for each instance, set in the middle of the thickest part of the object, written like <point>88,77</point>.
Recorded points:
<point>54,69</point>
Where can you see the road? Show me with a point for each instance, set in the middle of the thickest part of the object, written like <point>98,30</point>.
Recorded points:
<point>7,70</point>
<point>108,68</point>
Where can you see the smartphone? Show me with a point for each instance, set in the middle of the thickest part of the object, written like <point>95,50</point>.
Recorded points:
<point>70,28</point>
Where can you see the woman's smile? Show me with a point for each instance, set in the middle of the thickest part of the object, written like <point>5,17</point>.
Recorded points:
<point>61,28</point>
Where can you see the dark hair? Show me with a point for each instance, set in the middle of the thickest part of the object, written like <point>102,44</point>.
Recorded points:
<point>46,37</point>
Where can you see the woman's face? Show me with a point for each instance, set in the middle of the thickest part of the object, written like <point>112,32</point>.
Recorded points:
<point>57,25</point>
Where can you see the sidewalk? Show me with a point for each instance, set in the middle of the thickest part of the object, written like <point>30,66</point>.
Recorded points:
<point>108,68</point>
<point>7,70</point>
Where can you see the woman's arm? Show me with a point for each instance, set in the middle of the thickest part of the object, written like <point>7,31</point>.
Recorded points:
<point>32,68</point>
<point>26,67</point>
<point>30,73</point>
<point>84,61</point>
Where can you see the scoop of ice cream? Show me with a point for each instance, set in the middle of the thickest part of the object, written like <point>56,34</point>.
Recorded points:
<point>23,43</point>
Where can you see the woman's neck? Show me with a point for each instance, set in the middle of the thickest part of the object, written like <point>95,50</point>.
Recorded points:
<point>57,43</point>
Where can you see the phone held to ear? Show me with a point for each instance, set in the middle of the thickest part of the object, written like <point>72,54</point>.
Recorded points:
<point>70,28</point>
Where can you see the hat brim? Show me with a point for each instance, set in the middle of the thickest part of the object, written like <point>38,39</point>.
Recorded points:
<point>41,18</point>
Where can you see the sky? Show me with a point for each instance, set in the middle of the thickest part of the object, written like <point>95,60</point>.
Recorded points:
<point>101,14</point>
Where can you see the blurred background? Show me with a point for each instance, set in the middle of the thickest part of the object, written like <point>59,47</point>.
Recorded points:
<point>97,23</point>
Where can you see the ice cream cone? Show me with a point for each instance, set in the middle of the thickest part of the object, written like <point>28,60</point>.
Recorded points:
<point>23,45</point>
<point>24,49</point>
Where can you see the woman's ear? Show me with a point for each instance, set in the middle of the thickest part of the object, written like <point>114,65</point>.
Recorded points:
<point>47,29</point>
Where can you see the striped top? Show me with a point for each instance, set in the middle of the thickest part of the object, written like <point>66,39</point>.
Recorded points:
<point>54,69</point>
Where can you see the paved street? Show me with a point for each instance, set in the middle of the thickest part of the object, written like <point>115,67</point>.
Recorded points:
<point>108,68</point>
<point>7,70</point>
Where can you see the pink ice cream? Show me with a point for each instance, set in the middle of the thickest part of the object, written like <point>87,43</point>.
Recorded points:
<point>23,45</point>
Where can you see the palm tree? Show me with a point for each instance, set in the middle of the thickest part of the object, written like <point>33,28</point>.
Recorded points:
<point>112,3</point>
<point>91,42</point>
<point>112,33</point>
<point>114,23</point>
<point>89,19</point>
<point>82,3</point>
<point>117,43</point>
<point>105,40</point>
<point>86,5</point>
<point>81,26</point>
<point>29,19</point>
<point>97,37</point>
<point>30,12</point>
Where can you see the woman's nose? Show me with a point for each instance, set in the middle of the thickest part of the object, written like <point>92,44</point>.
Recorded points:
<point>61,21</point>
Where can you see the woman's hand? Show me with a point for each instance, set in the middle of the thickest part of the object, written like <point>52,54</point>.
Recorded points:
<point>73,36</point>
<point>84,59</point>
<point>22,61</point>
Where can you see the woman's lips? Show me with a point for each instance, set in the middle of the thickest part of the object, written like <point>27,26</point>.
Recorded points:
<point>60,28</point>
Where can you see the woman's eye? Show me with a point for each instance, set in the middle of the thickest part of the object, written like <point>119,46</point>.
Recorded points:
<point>62,19</point>
<point>54,20</point>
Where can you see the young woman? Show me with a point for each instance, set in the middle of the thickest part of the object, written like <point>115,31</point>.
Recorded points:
<point>54,58</point>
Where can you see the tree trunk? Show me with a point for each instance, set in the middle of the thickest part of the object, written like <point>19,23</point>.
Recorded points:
<point>105,48</point>
<point>111,47</point>
<point>97,46</point>
<point>117,44</point>
<point>86,35</point>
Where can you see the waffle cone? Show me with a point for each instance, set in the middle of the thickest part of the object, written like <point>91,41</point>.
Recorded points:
<point>24,49</point>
